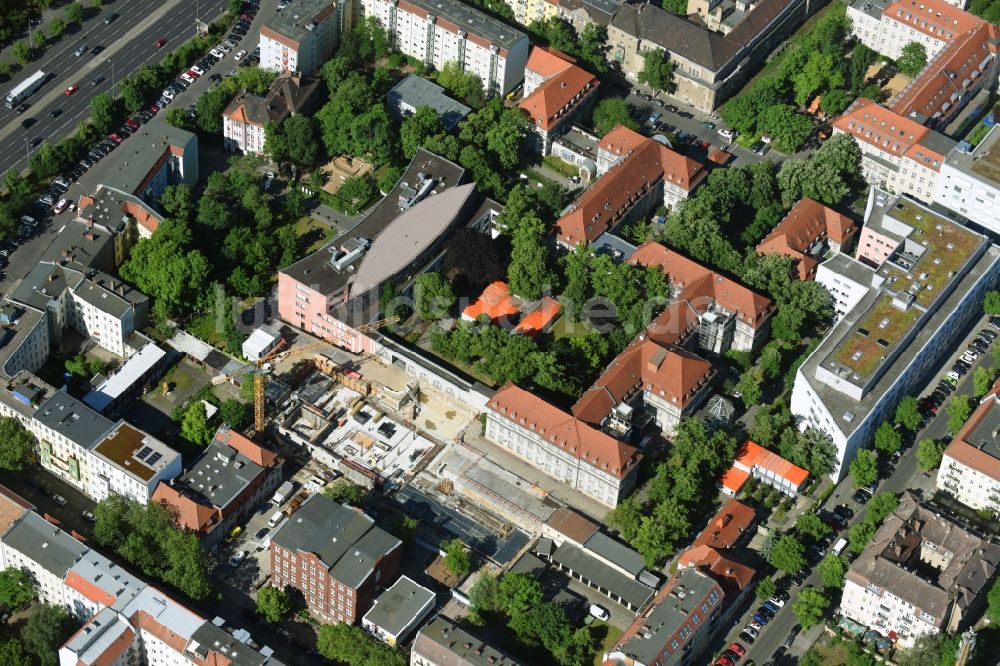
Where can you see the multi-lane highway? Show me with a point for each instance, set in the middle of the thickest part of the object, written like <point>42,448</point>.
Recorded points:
<point>127,42</point>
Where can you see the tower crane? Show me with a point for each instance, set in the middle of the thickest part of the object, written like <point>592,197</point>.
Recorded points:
<point>263,366</point>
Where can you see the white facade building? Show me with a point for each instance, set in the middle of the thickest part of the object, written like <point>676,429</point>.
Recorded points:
<point>970,467</point>
<point>929,285</point>
<point>302,39</point>
<point>130,463</point>
<point>447,31</point>
<point>887,26</point>
<point>565,448</point>
<point>969,183</point>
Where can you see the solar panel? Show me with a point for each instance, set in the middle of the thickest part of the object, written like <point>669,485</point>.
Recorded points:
<point>145,451</point>
<point>153,458</point>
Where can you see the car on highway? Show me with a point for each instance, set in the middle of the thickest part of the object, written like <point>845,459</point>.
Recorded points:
<point>110,18</point>
<point>160,42</point>
<point>97,49</point>
<point>80,51</point>
<point>37,141</point>
<point>59,499</point>
<point>22,108</point>
<point>61,206</point>
<point>27,122</point>
<point>55,113</point>
<point>72,89</point>
<point>97,80</point>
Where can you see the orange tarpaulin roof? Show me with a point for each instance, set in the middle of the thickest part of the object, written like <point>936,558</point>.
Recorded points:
<point>495,302</point>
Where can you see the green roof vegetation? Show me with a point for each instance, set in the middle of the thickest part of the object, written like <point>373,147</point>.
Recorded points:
<point>988,164</point>
<point>882,327</point>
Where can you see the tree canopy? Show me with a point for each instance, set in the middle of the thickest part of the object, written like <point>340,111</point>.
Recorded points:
<point>810,606</point>
<point>17,587</point>
<point>17,444</point>
<point>433,296</point>
<point>929,453</point>
<point>864,468</point>
<point>832,570</point>
<point>456,557</point>
<point>347,644</point>
<point>46,630</point>
<point>887,439</point>
<point>912,59</point>
<point>657,70</point>
<point>787,554</point>
<point>611,112</point>
<point>908,413</point>
<point>273,604</point>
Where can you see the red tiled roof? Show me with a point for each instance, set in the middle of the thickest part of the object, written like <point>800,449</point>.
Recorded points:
<point>733,479</point>
<point>190,514</point>
<point>563,430</point>
<point>727,526</point>
<point>621,140</point>
<point>88,589</point>
<point>729,574</point>
<point>888,131</point>
<point>540,318</point>
<point>807,222</point>
<point>934,18</point>
<point>605,203</point>
<point>547,62</point>
<point>955,70</point>
<point>672,374</point>
<point>553,101</point>
<point>694,283</point>
<point>495,302</point>
<point>246,446</point>
<point>754,455</point>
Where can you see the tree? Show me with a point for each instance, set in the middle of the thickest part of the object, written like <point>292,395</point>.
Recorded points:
<point>611,112</point>
<point>273,604</point>
<point>834,102</point>
<point>301,134</point>
<point>908,413</point>
<point>234,412</point>
<point>887,439</point>
<point>993,603</point>
<point>657,70</point>
<point>209,109</point>
<point>345,492</point>
<point>765,589</point>
<point>389,178</point>
<point>810,606</point>
<point>163,268</point>
<point>749,386</point>
<point>959,411</point>
<point>788,128</point>
<point>433,296</point>
<point>357,191</point>
<point>275,145</point>
<point>416,129</point>
<point>518,593</point>
<point>46,630</point>
<point>929,454</point>
<point>912,59</point>
<point>17,587</point>
<point>57,27</point>
<point>859,535</point>
<point>937,649</point>
<point>864,468</point>
<point>819,74</point>
<point>787,554</point>
<point>832,570</point>
<point>73,12</point>
<point>17,444</point>
<point>102,112</point>
<point>485,594</point>
<point>194,427</point>
<point>346,644</point>
<point>982,381</point>
<point>991,303</point>
<point>812,449</point>
<point>177,201</point>
<point>21,52</point>
<point>528,272</point>
<point>456,557</point>
<point>465,85</point>
<point>880,506</point>
<point>810,525</point>
<point>12,653</point>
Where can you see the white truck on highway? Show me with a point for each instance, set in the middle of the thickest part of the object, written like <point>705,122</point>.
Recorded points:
<point>25,89</point>
<point>284,491</point>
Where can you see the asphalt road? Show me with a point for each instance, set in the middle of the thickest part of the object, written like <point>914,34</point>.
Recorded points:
<point>128,42</point>
<point>905,476</point>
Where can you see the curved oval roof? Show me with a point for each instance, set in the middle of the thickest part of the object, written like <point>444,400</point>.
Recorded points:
<point>408,235</point>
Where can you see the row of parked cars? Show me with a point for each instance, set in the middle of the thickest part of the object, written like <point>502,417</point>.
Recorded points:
<point>931,403</point>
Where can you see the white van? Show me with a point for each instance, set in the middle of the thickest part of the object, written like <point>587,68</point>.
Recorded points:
<point>276,518</point>
<point>839,546</point>
<point>727,134</point>
<point>600,612</point>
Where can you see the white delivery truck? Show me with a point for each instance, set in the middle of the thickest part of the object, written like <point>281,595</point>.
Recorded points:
<point>284,491</point>
<point>275,519</point>
<point>26,89</point>
<point>839,546</point>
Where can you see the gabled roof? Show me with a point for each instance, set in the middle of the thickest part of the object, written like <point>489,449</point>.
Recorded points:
<point>552,101</point>
<point>556,427</point>
<point>699,285</point>
<point>731,575</point>
<point>892,133</point>
<point>753,455</point>
<point>246,446</point>
<point>806,223</point>
<point>651,23</point>
<point>935,18</point>
<point>621,140</point>
<point>671,374</point>
<point>547,62</point>
<point>540,318</point>
<point>604,203</point>
<point>191,514</point>
<point>727,526</point>
<point>495,302</point>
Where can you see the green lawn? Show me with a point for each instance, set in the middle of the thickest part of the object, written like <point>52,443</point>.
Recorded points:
<point>204,328</point>
<point>611,635</point>
<point>561,166</point>
<point>312,234</point>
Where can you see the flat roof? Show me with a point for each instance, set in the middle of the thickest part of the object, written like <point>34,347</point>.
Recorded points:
<point>12,336</point>
<point>850,413</point>
<point>417,91</point>
<point>56,551</point>
<point>873,8</point>
<point>472,20</point>
<point>73,419</point>
<point>134,370</point>
<point>220,474</point>
<point>982,162</point>
<point>296,21</point>
<point>444,641</point>
<point>330,269</point>
<point>135,158</point>
<point>135,452</point>
<point>404,603</point>
<point>599,573</point>
<point>932,253</point>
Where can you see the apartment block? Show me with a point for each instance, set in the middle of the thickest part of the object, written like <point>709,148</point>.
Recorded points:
<point>158,155</point>
<point>336,557</point>
<point>969,183</point>
<point>807,233</point>
<point>897,153</point>
<point>887,26</point>
<point>130,463</point>
<point>920,574</point>
<point>244,122</point>
<point>399,610</point>
<point>970,467</point>
<point>561,445</point>
<point>676,627</point>
<point>919,277</point>
<point>754,461</point>
<point>415,91</point>
<point>125,621</point>
<point>444,642</point>
<point>445,31</point>
<point>223,486</point>
<point>301,40</point>
<point>556,92</point>
<point>647,175</point>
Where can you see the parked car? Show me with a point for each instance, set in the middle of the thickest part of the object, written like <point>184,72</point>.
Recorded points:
<point>776,602</point>
<point>761,618</point>
<point>237,558</point>
<point>198,71</point>
<point>738,649</point>
<point>239,54</point>
<point>746,637</point>
<point>708,124</point>
<point>88,516</point>
<point>600,612</point>
<point>59,499</point>
<point>724,661</point>
<point>60,207</point>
